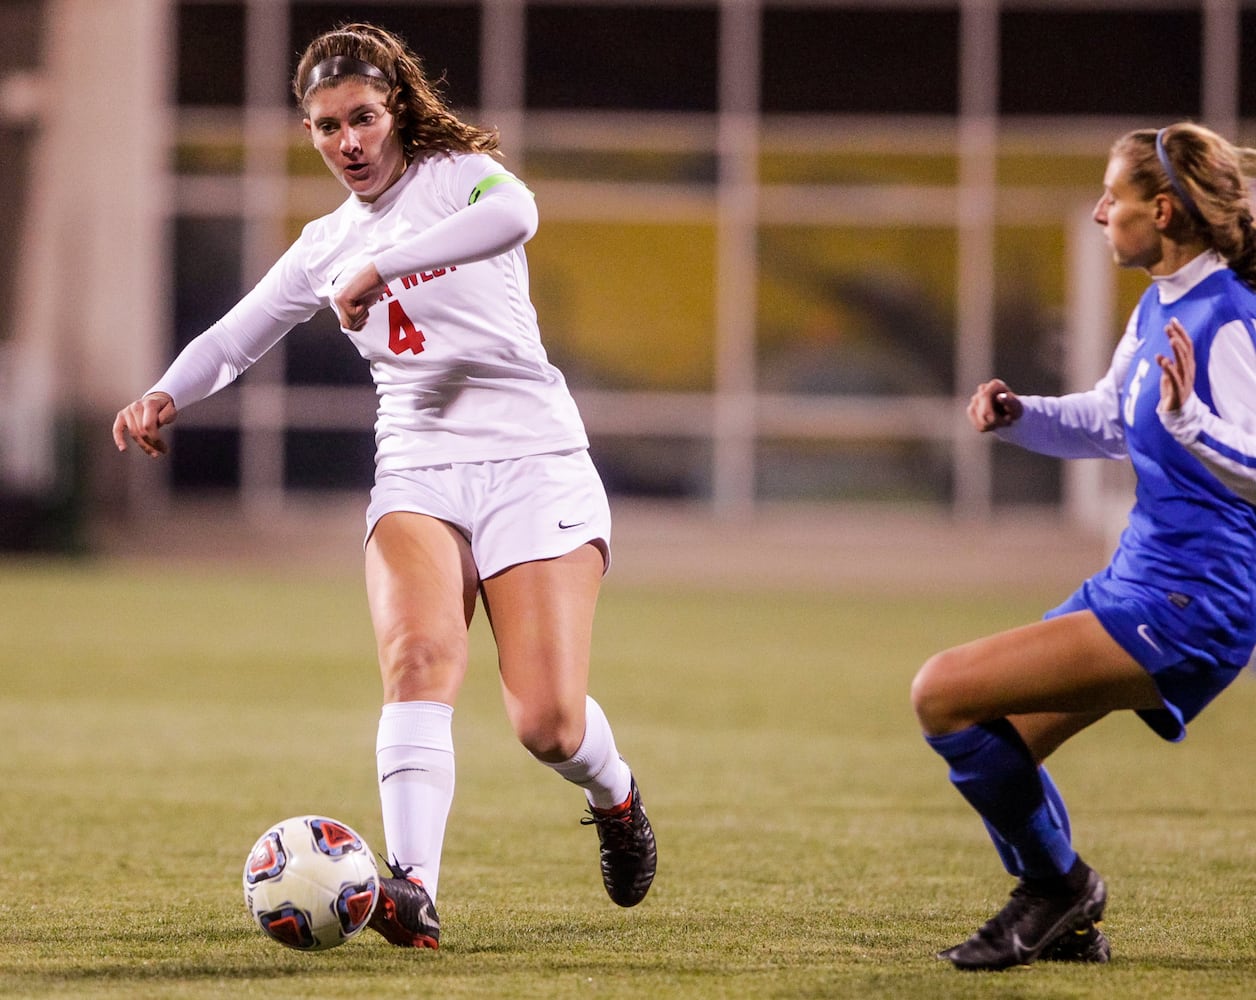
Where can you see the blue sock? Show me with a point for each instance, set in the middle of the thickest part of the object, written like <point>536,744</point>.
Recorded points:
<point>993,769</point>
<point>1011,860</point>
<point>1056,804</point>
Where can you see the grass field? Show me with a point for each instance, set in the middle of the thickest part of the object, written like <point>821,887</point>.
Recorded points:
<point>156,720</point>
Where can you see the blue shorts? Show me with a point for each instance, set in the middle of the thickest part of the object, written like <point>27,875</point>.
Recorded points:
<point>1167,633</point>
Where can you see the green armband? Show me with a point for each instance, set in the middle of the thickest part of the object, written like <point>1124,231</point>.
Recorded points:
<point>491,182</point>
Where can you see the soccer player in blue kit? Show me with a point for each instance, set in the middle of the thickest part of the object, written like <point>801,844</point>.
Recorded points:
<point>1171,620</point>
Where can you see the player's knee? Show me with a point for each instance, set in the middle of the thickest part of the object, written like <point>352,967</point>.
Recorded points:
<point>932,698</point>
<point>420,667</point>
<point>549,733</point>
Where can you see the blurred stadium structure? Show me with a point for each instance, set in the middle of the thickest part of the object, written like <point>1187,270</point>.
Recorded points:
<point>781,241</point>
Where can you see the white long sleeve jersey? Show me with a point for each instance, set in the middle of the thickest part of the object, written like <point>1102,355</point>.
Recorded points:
<point>453,344</point>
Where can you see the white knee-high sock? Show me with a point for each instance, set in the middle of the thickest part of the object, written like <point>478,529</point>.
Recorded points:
<point>596,766</point>
<point>414,758</point>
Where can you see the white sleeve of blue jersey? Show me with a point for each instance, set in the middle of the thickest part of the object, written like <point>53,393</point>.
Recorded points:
<point>1224,441</point>
<point>1080,424</point>
<point>503,217</point>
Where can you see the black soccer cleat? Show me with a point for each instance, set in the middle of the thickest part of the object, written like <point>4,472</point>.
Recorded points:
<point>1082,943</point>
<point>1034,919</point>
<point>405,914</point>
<point>629,855</point>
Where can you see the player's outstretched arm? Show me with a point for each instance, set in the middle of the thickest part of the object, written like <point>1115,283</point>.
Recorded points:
<point>142,422</point>
<point>994,405</point>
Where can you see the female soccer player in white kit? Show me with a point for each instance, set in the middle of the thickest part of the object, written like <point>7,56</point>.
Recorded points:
<point>483,483</point>
<point>1171,621</point>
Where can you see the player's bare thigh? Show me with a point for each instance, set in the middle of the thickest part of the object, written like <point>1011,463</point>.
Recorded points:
<point>421,586</point>
<point>1066,664</point>
<point>542,616</point>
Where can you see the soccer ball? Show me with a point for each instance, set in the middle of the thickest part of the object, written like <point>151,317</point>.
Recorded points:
<point>310,883</point>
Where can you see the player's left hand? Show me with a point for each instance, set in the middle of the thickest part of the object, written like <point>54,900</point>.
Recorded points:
<point>355,299</point>
<point>1177,374</point>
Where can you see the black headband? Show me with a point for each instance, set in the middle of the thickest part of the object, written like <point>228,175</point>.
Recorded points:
<point>342,66</point>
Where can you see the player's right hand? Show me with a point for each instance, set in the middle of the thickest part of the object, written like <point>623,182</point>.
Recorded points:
<point>142,422</point>
<point>994,405</point>
<point>354,300</point>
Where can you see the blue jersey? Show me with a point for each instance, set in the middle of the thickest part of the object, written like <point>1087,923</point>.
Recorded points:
<point>1180,591</point>
<point>1189,534</point>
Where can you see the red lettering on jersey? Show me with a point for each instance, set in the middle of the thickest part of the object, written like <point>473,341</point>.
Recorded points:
<point>402,334</point>
<point>410,280</point>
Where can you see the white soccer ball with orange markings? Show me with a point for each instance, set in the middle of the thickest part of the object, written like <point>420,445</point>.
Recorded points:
<point>311,883</point>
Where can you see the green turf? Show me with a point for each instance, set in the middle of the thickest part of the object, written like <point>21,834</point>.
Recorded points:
<point>156,721</point>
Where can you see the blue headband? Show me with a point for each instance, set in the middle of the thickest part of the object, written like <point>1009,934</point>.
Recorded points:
<point>1178,190</point>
